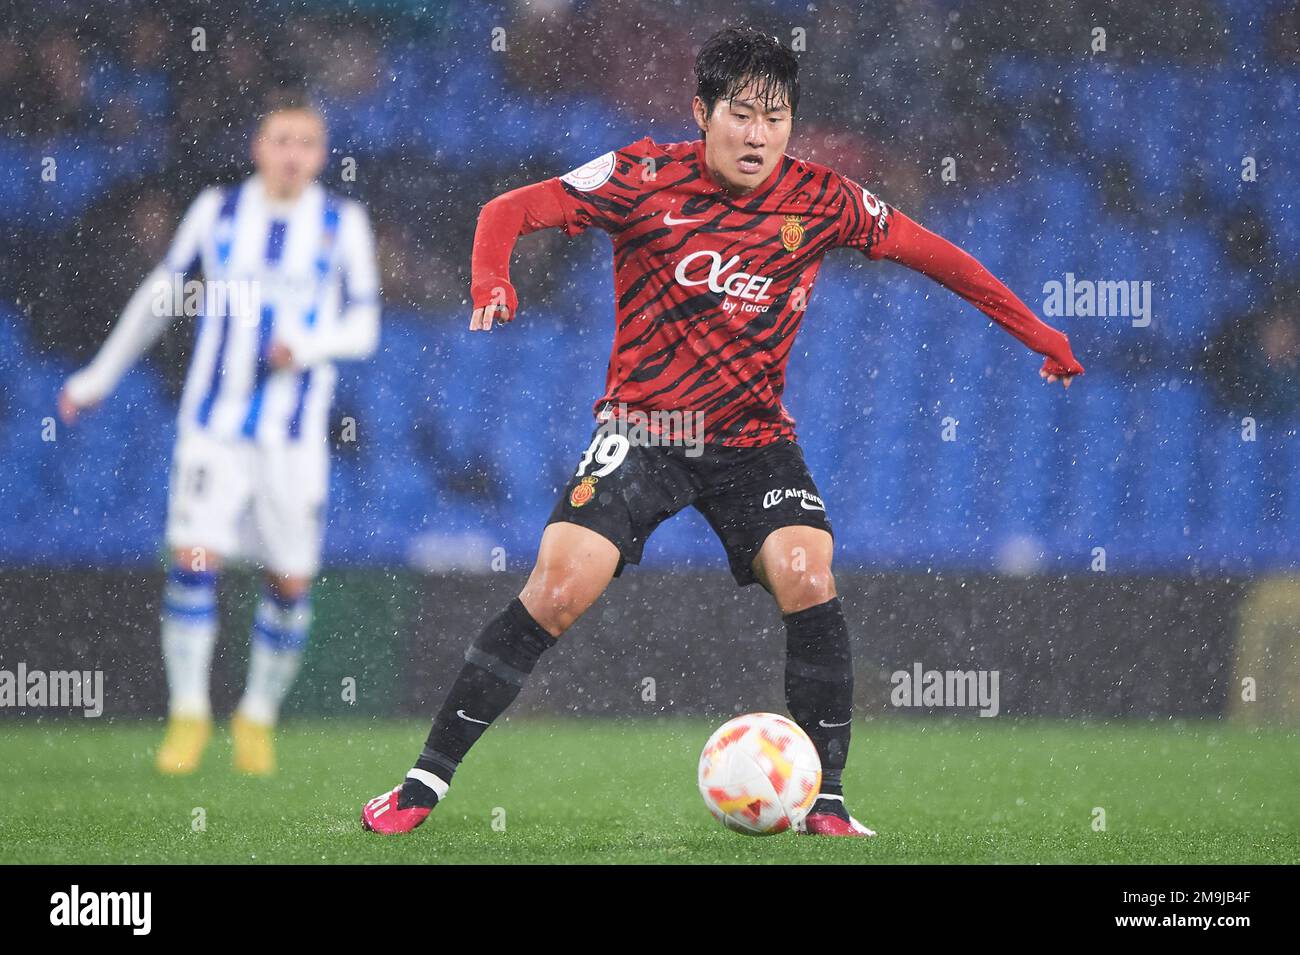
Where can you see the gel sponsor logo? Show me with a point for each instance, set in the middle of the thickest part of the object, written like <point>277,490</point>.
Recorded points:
<point>721,279</point>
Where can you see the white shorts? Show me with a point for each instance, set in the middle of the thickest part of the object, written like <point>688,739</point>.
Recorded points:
<point>241,499</point>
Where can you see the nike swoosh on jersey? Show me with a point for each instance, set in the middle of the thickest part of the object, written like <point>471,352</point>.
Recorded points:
<point>669,220</point>
<point>470,719</point>
<point>831,726</point>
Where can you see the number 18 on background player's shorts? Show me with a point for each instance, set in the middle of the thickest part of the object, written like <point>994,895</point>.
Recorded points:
<point>239,498</point>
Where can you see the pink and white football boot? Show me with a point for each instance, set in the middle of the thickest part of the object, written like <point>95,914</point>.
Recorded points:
<point>830,817</point>
<point>382,815</point>
<point>390,815</point>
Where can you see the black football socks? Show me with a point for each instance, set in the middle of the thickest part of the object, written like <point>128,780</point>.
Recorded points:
<point>497,664</point>
<point>819,684</point>
<point>818,690</point>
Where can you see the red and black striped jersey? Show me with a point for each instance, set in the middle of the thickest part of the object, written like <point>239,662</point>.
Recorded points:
<point>711,288</point>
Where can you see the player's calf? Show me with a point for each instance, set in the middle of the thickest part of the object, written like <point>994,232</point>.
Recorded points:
<point>280,628</point>
<point>497,664</point>
<point>819,685</point>
<point>189,632</point>
<point>819,695</point>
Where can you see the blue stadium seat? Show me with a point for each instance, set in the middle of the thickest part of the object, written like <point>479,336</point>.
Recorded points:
<point>1102,464</point>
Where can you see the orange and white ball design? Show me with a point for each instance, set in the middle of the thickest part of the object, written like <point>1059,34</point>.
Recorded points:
<point>759,774</point>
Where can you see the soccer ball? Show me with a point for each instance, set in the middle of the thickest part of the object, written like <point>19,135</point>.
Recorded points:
<point>759,774</point>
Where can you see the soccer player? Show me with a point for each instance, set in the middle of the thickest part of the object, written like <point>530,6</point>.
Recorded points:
<point>717,243</point>
<point>289,286</point>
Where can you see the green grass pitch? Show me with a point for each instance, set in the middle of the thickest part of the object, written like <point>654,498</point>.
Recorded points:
<point>582,791</point>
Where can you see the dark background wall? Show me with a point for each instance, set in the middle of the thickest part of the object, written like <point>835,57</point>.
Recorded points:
<point>1094,646</point>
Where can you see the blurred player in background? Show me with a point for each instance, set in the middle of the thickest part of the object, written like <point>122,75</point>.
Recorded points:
<point>717,243</point>
<point>288,286</point>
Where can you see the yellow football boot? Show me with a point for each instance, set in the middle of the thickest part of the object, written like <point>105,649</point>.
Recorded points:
<point>254,747</point>
<point>182,748</point>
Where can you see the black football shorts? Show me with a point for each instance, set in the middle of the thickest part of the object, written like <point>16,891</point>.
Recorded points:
<point>623,490</point>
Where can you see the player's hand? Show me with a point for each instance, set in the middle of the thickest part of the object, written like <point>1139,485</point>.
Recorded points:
<point>483,317</point>
<point>70,410</point>
<point>1053,371</point>
<point>502,303</point>
<point>280,356</point>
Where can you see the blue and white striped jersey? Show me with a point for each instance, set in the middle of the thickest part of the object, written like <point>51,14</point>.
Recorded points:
<point>298,273</point>
<point>293,273</point>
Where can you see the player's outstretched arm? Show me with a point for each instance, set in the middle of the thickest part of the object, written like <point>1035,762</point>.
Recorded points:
<point>910,244</point>
<point>500,224</point>
<point>149,311</point>
<point>139,326</point>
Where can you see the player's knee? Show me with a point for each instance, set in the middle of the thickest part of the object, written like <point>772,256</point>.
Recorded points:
<point>808,588</point>
<point>196,559</point>
<point>288,589</point>
<point>555,608</point>
<point>556,600</point>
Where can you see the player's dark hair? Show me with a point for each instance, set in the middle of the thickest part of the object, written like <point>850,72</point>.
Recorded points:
<point>736,56</point>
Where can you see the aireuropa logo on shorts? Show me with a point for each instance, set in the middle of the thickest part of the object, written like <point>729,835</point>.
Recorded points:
<point>807,499</point>
<point>961,689</point>
<point>83,690</point>
<point>656,428</point>
<point>1098,298</point>
<point>75,907</point>
<point>175,296</point>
